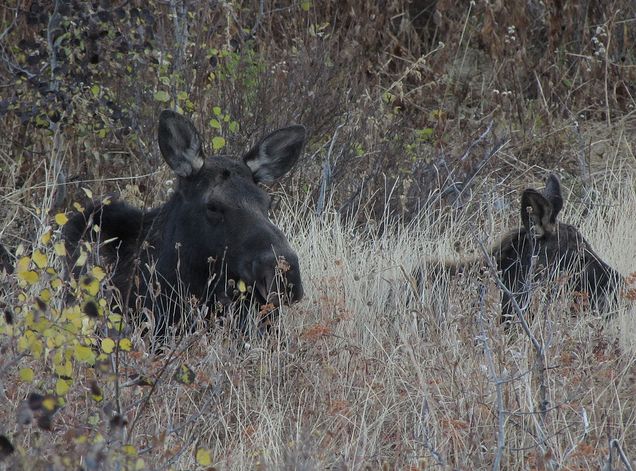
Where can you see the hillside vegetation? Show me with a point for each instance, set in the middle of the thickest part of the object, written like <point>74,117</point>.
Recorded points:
<point>426,119</point>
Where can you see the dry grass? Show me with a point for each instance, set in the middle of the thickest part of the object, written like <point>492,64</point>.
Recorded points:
<point>365,374</point>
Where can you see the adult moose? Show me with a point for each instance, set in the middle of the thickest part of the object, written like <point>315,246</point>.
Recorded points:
<point>212,230</point>
<point>6,263</point>
<point>544,246</point>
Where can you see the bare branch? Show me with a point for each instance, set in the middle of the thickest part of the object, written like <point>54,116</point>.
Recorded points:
<point>615,444</point>
<point>501,412</point>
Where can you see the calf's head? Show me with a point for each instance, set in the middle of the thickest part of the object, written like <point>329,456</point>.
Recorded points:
<point>217,220</point>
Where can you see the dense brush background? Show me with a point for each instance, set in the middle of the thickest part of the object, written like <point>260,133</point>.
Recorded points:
<point>426,119</point>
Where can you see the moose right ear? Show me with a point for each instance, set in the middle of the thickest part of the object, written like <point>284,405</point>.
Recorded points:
<point>552,192</point>
<point>276,154</point>
<point>180,144</point>
<point>537,213</point>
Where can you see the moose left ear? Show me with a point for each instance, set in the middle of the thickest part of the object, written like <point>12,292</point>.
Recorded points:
<point>552,192</point>
<point>276,154</point>
<point>180,144</point>
<point>537,213</point>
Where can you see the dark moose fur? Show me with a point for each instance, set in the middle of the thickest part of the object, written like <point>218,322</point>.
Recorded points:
<point>559,249</point>
<point>214,228</point>
<point>6,263</point>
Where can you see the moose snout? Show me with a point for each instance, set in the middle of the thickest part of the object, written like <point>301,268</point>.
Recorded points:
<point>277,278</point>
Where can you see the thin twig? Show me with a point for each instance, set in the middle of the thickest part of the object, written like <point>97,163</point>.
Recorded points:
<point>327,167</point>
<point>614,443</point>
<point>538,347</point>
<point>496,379</point>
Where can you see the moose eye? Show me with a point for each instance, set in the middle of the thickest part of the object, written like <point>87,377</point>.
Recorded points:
<point>273,204</point>
<point>214,209</point>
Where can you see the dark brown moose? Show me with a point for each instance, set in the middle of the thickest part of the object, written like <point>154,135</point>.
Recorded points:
<point>211,238</point>
<point>548,247</point>
<point>558,247</point>
<point>6,263</point>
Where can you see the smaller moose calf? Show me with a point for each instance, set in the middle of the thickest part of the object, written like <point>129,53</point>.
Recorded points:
<point>558,248</point>
<point>543,246</point>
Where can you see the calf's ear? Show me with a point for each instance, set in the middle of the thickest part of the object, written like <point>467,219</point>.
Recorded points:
<point>537,213</point>
<point>276,154</point>
<point>552,192</point>
<point>180,144</point>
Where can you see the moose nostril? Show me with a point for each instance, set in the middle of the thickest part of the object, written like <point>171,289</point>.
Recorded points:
<point>278,277</point>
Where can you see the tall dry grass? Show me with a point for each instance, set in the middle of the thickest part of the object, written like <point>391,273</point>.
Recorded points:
<point>365,372</point>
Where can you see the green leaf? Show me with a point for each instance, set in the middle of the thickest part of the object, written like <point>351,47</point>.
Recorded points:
<point>95,89</point>
<point>214,123</point>
<point>26,375</point>
<point>162,96</point>
<point>217,110</point>
<point>218,143</point>
<point>424,134</point>
<point>306,5</point>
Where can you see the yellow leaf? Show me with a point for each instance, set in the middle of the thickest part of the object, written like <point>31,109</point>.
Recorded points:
<point>90,284</point>
<point>61,219</point>
<point>63,368</point>
<point>56,283</point>
<point>45,295</point>
<point>88,193</point>
<point>218,143</point>
<point>46,237</point>
<point>26,375</point>
<point>84,354</point>
<point>81,260</point>
<point>59,341</point>
<point>61,387</point>
<point>60,249</point>
<point>23,344</point>
<point>30,277</point>
<point>39,259</point>
<point>116,321</point>
<point>23,264</point>
<point>98,272</point>
<point>204,457</point>
<point>49,403</point>
<point>125,345</point>
<point>129,450</point>
<point>162,96</point>
<point>241,286</point>
<point>36,347</point>
<point>78,207</point>
<point>108,345</point>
